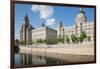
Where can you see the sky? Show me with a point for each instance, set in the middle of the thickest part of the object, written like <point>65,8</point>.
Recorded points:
<point>50,15</point>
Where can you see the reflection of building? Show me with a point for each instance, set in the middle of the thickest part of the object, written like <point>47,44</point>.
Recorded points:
<point>28,33</point>
<point>81,24</point>
<point>38,59</point>
<point>31,59</point>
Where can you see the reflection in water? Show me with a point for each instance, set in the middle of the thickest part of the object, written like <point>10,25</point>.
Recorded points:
<point>30,59</point>
<point>17,58</point>
<point>41,58</point>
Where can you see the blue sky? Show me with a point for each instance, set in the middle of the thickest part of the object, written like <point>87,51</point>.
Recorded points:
<point>50,15</point>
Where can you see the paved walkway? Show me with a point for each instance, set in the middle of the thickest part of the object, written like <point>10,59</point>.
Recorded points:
<point>80,50</point>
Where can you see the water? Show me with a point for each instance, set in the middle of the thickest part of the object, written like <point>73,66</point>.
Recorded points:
<point>38,58</point>
<point>31,59</point>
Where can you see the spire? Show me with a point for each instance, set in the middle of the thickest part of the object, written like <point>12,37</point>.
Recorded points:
<point>26,17</point>
<point>60,24</point>
<point>26,20</point>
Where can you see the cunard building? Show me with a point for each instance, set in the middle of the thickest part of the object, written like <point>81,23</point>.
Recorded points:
<point>81,24</point>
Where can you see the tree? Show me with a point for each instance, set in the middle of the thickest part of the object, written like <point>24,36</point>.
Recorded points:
<point>89,38</point>
<point>16,42</point>
<point>33,42</point>
<point>39,41</point>
<point>67,39</point>
<point>82,36</point>
<point>77,39</point>
<point>22,43</point>
<point>51,41</point>
<point>73,38</point>
<point>61,40</point>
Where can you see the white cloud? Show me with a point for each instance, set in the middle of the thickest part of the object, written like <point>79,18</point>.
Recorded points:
<point>50,21</point>
<point>35,8</point>
<point>45,11</point>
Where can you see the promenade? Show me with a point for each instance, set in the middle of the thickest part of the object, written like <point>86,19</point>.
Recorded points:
<point>80,49</point>
<point>70,53</point>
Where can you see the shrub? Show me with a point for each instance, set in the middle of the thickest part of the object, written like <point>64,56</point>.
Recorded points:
<point>22,43</point>
<point>73,38</point>
<point>67,39</point>
<point>82,36</point>
<point>89,38</point>
<point>51,41</point>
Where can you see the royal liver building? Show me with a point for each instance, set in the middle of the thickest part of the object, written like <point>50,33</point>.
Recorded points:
<point>81,24</point>
<point>26,31</point>
<point>29,34</point>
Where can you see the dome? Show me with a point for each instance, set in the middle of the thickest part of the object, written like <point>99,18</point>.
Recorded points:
<point>81,13</point>
<point>81,16</point>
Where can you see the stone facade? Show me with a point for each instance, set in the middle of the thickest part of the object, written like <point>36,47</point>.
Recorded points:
<point>81,24</point>
<point>28,33</point>
<point>43,33</point>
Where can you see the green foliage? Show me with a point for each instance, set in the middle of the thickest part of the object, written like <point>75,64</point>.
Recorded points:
<point>39,41</point>
<point>73,38</point>
<point>22,43</point>
<point>17,40</point>
<point>77,39</point>
<point>51,41</point>
<point>89,38</point>
<point>61,40</point>
<point>67,39</point>
<point>30,43</point>
<point>82,36</point>
<point>33,42</point>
